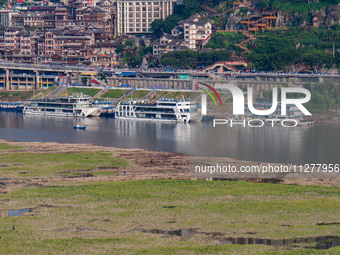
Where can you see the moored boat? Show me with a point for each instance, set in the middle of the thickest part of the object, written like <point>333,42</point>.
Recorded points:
<point>162,110</point>
<point>71,106</point>
<point>11,106</point>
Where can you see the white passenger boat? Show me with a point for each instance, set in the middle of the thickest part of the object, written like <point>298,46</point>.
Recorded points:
<point>71,106</point>
<point>161,110</point>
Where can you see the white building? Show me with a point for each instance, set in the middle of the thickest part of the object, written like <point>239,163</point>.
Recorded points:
<point>196,33</point>
<point>134,17</point>
<point>6,17</point>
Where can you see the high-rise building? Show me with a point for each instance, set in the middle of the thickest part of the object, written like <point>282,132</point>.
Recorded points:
<point>135,17</point>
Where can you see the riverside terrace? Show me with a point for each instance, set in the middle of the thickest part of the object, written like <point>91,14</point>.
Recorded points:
<point>17,76</point>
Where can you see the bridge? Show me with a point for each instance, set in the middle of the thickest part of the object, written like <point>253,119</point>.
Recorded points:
<point>32,77</point>
<point>20,76</point>
<point>48,68</point>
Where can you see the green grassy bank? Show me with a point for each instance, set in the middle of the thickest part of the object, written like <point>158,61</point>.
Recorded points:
<point>107,217</point>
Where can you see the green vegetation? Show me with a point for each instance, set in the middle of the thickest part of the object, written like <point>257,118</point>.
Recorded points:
<point>133,56</point>
<point>133,217</point>
<point>5,146</point>
<point>186,8</point>
<point>175,95</point>
<point>183,10</point>
<point>84,80</point>
<point>193,59</point>
<point>32,28</point>
<point>59,164</point>
<point>140,93</point>
<point>112,213</point>
<point>15,95</point>
<point>114,93</point>
<point>44,92</point>
<point>297,6</point>
<point>226,40</point>
<point>86,91</point>
<point>324,96</point>
<point>276,50</point>
<point>219,22</point>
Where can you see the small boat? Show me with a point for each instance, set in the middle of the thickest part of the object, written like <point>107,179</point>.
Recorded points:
<point>79,127</point>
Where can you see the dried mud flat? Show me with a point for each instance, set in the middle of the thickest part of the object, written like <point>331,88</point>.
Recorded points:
<point>146,165</point>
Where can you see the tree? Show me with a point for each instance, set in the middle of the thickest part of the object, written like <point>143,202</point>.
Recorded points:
<point>128,43</point>
<point>274,55</point>
<point>317,58</point>
<point>191,59</point>
<point>84,80</point>
<point>158,27</point>
<point>120,48</point>
<point>182,10</point>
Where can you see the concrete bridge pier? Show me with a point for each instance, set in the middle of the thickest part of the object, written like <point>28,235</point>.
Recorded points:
<point>37,80</point>
<point>7,84</point>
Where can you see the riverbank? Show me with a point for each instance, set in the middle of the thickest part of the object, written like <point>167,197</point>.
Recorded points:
<point>331,117</point>
<point>81,198</point>
<point>62,165</point>
<point>138,164</point>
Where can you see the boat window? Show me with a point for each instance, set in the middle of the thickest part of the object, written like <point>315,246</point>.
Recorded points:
<point>168,104</point>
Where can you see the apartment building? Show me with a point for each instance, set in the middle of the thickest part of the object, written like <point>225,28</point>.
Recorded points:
<point>196,32</point>
<point>93,16</point>
<point>71,46</point>
<point>62,18</point>
<point>65,16</point>
<point>107,5</point>
<point>167,43</point>
<point>135,17</point>
<point>6,17</point>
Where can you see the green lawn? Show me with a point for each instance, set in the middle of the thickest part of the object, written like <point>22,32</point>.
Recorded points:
<point>44,92</point>
<point>15,95</point>
<point>114,93</point>
<point>60,164</point>
<point>86,91</point>
<point>140,94</point>
<point>175,95</point>
<point>104,217</point>
<point>5,146</point>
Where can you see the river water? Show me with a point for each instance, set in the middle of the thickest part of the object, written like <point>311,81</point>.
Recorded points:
<point>315,144</point>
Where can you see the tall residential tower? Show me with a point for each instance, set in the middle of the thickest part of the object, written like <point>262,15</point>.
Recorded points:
<point>135,17</point>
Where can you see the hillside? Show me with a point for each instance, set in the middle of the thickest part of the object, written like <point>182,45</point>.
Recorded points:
<point>301,34</point>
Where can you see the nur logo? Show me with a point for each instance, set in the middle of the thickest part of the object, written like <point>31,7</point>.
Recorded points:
<point>204,96</point>
<point>239,99</point>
